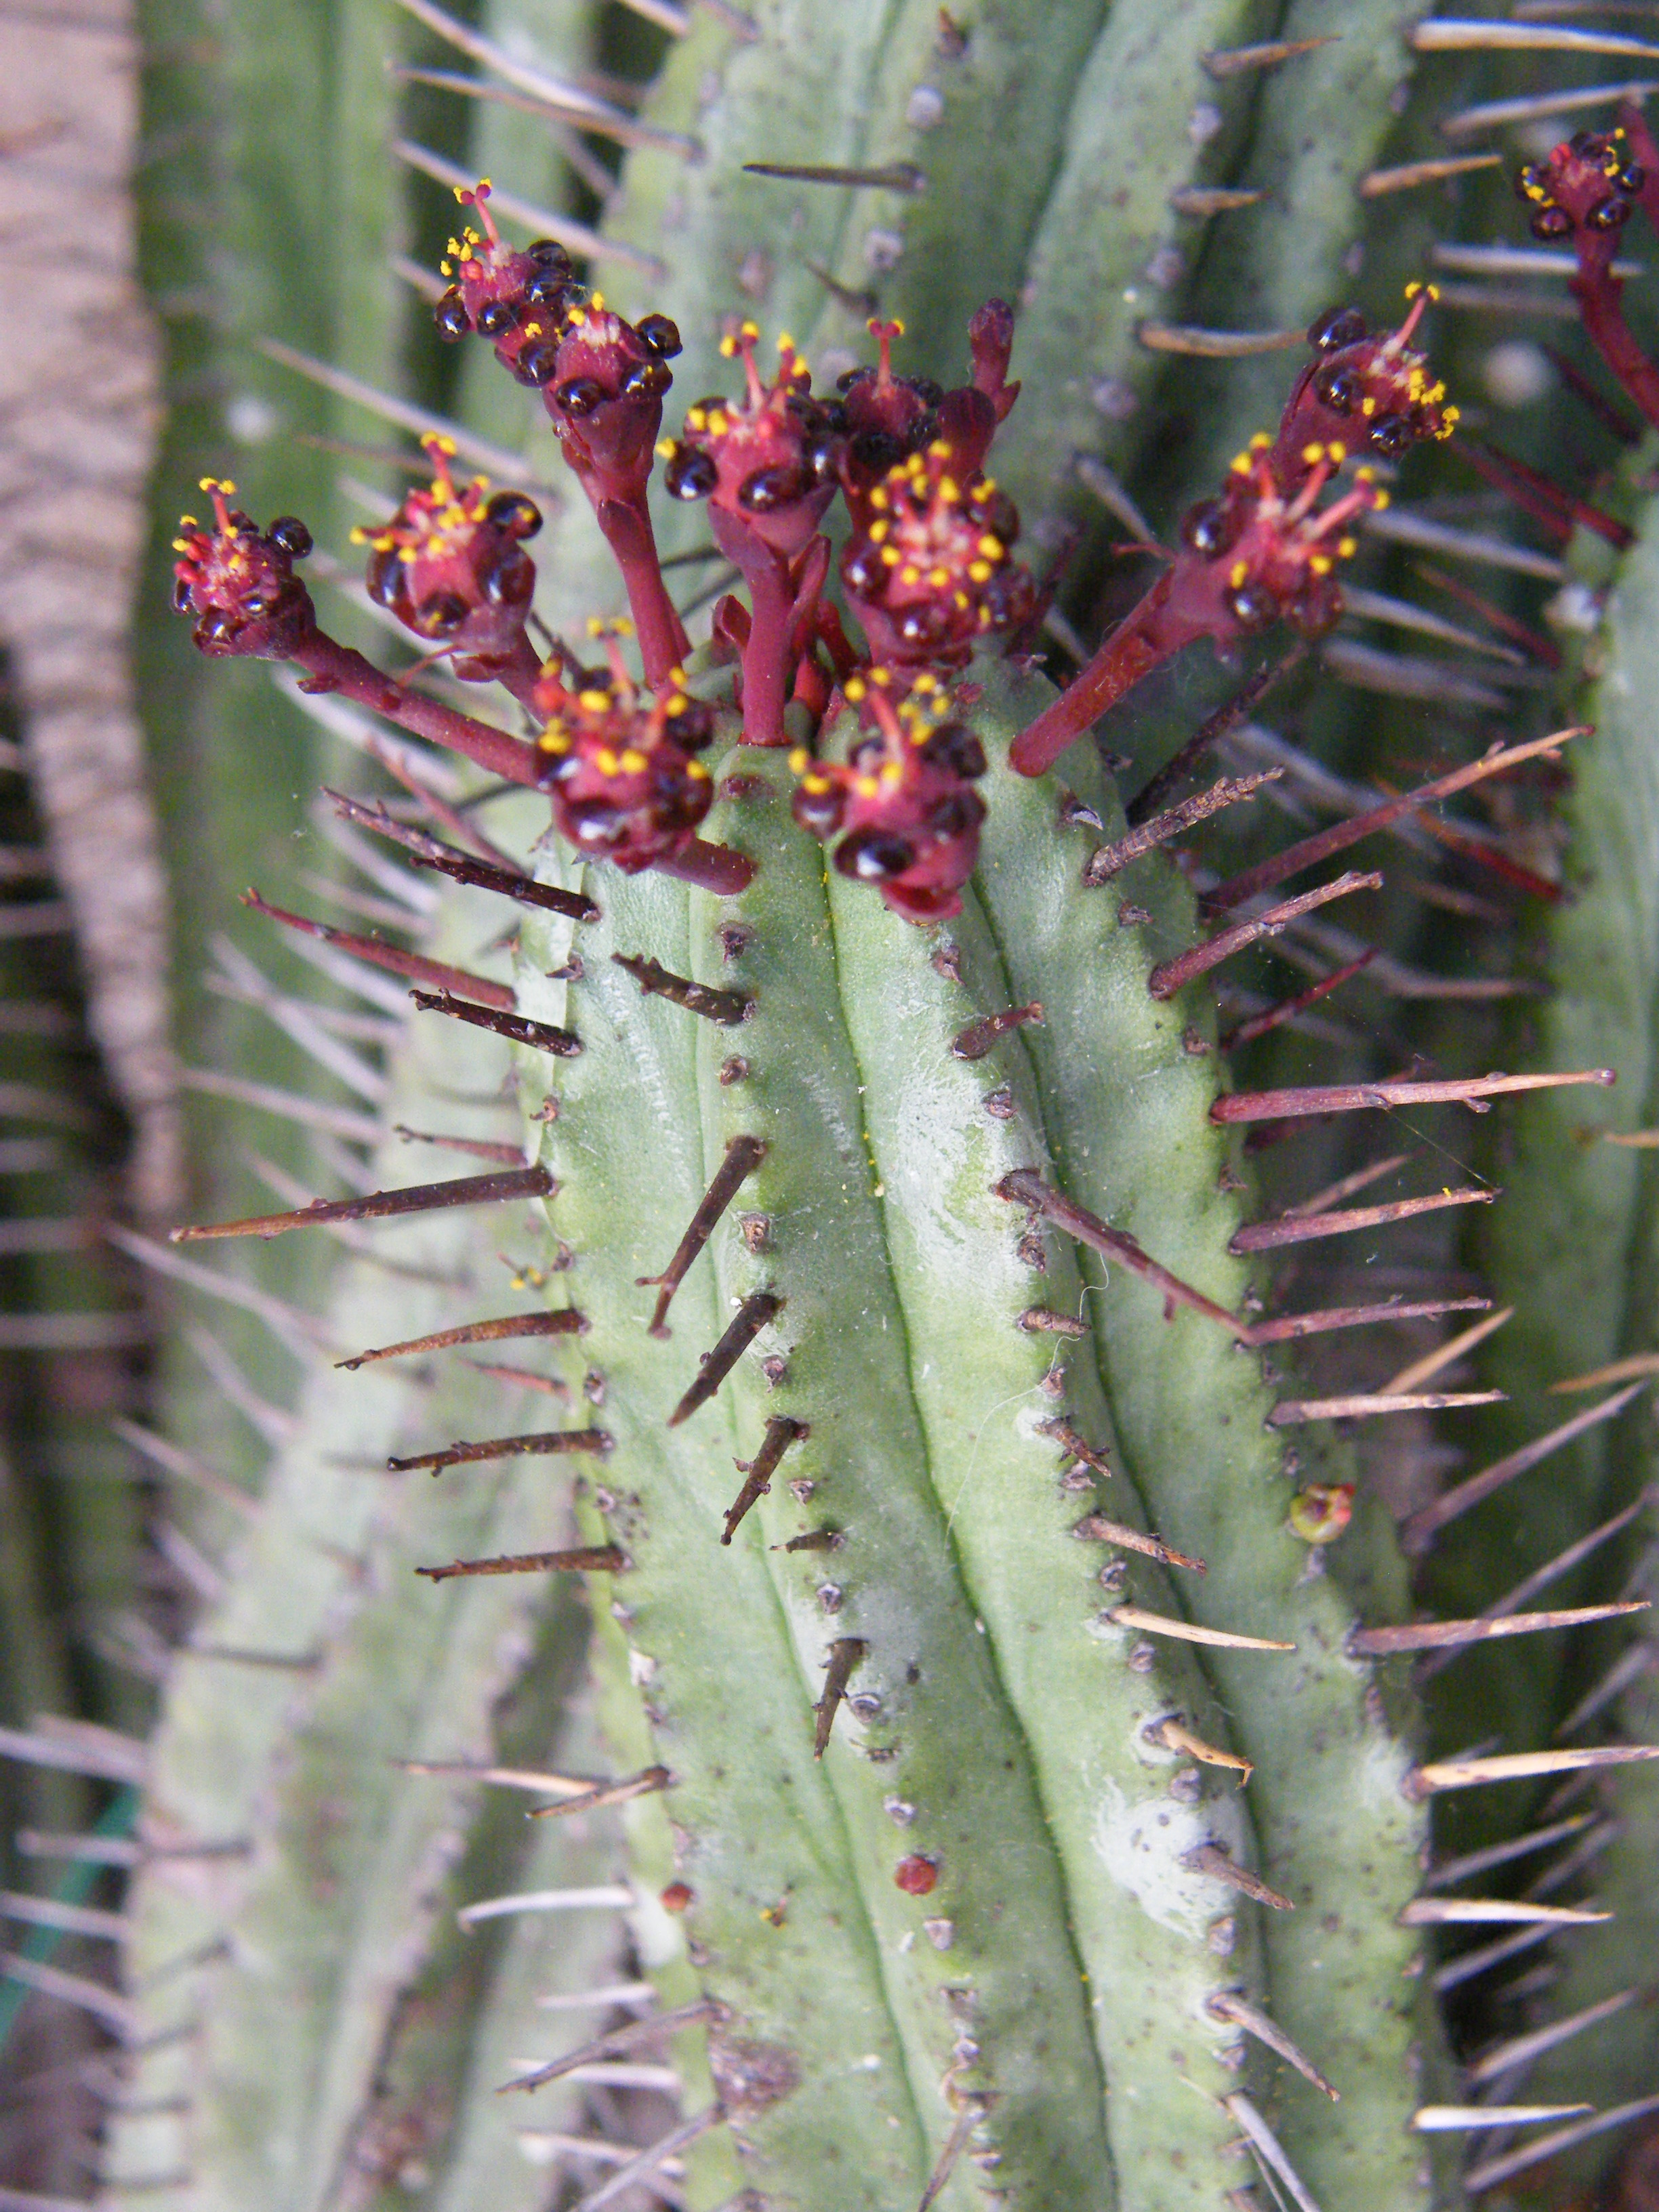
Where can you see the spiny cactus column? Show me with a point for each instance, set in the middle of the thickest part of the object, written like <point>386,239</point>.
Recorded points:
<point>1024,1804</point>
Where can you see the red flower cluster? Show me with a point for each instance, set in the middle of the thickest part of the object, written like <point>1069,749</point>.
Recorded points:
<point>765,464</point>
<point>1364,390</point>
<point>624,784</point>
<point>238,581</point>
<point>452,567</point>
<point>1264,551</point>
<point>903,806</point>
<point>930,574</point>
<point>1586,191</point>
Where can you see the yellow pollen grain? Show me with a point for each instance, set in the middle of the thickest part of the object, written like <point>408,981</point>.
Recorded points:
<point>634,761</point>
<point>1238,573</point>
<point>938,577</point>
<point>728,349</point>
<point>593,701</point>
<point>1368,405</point>
<point>696,771</point>
<point>992,548</point>
<point>1320,563</point>
<point>854,689</point>
<point>979,572</point>
<point>1337,452</point>
<point>1346,548</point>
<point>800,759</point>
<point>1261,442</point>
<point>606,762</point>
<point>911,575</point>
<point>878,530</point>
<point>889,554</point>
<point>817,785</point>
<point>1313,453</point>
<point>866,787</point>
<point>879,498</point>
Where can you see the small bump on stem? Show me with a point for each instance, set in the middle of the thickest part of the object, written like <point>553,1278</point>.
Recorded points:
<point>1043,1321</point>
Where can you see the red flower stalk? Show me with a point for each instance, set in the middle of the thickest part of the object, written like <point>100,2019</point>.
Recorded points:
<point>452,567</point>
<point>1252,557</point>
<point>621,770</point>
<point>931,575</point>
<point>239,583</point>
<point>767,465</point>
<point>1363,390</point>
<point>903,806</point>
<point>1587,190</point>
<point>603,383</point>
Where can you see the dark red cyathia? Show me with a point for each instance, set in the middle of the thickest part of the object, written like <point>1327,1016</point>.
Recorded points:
<point>238,581</point>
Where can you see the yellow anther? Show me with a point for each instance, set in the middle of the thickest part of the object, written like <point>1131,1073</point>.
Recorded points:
<point>1368,405</point>
<point>866,787</point>
<point>1379,502</point>
<point>606,762</point>
<point>882,676</point>
<point>940,449</point>
<point>594,701</point>
<point>938,577</point>
<point>666,448</point>
<point>992,548</point>
<point>1346,548</point>
<point>878,530</point>
<point>879,498</point>
<point>634,761</point>
<point>596,302</point>
<point>719,424</point>
<point>979,572</point>
<point>1337,452</point>
<point>1312,453</point>
<point>854,689</point>
<point>1236,574</point>
<point>910,574</point>
<point>950,491</point>
<point>1320,563</point>
<point>785,343</point>
<point>889,554</point>
<point>1240,464</point>
<point>799,760</point>
<point>696,771</point>
<point>1261,442</point>
<point>749,329</point>
<point>728,349</point>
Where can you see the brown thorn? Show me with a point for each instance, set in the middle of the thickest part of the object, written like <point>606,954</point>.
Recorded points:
<point>1077,1446</point>
<point>1042,1320</point>
<point>549,1385</point>
<point>1531,642</point>
<point>563,1321</point>
<point>743,1156</point>
<point>1215,345</point>
<point>976,1039</point>
<point>752,1316</point>
<point>728,1008</point>
<point>1227,2004</point>
<point>1417,1529</point>
<point>814,1540</point>
<point>1170,975</point>
<point>1352,1098</point>
<point>391,958</point>
<point>1110,861</point>
<point>1210,732</point>
<point>479,1148</point>
<point>892,177</point>
<point>1534,1584</point>
<point>1309,851</point>
<point>1520,1766</point>
<point>429,851</point>
<point>1234,61</point>
<point>1469,1965</point>
<point>1637,1660</point>
<point>545,1036</point>
<point>1437,1635</point>
<point>1450,2119</point>
<point>567,1787</point>
<point>1211,1859</point>
<point>1096,1529</point>
<point>1409,175</point>
<point>1492,1911</point>
<point>860,304</point>
<point>645,1783</point>
<point>1308,1228</point>
<point>1288,1328</point>
<point>1521,2049</point>
<point>1211,199</point>
<point>1288,1009</point>
<point>623,2179</point>
<point>1025,1187</point>
<point>589,1559</point>
<point>845,1654</point>
<point>1497,2171</point>
<point>547,1441</point>
<point>1175,1735</point>
<point>1446,34</point>
<point>1347,1185</point>
<point>1447,1354</point>
<point>780,1432</point>
<point>1290,1412</point>
<point>287,1105</point>
<point>1639,1364</point>
<point>382,1205</point>
<point>1441,1876</point>
<point>1186,1632</point>
<point>1269,2152</point>
<point>616,2040</point>
<point>974,2109</point>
